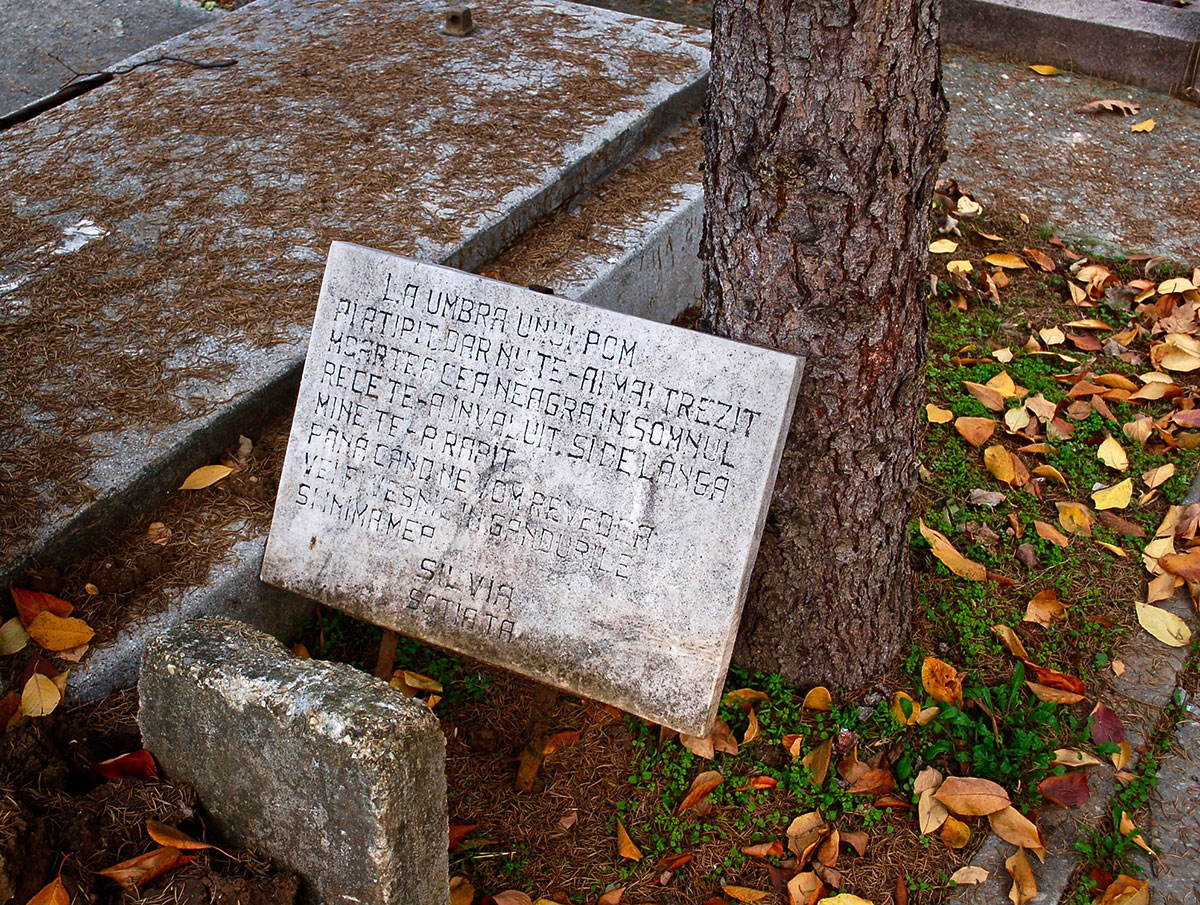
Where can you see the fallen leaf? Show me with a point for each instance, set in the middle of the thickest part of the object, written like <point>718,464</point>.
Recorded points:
<point>937,415</point>
<point>773,849</point>
<point>969,875</point>
<point>990,498</point>
<point>158,533</point>
<point>1115,497</point>
<point>1146,125</point>
<point>1010,641</point>
<point>1052,336</point>
<point>625,846</point>
<point>561,740</point>
<point>1155,477</point>
<point>1075,518</point>
<point>1045,608</point>
<point>818,699</point>
<point>874,782</point>
<point>1049,533</point>
<point>1014,827</point>
<point>1043,260</point>
<point>56,633</point>
<point>744,893</point>
<point>904,709</point>
<point>976,431</point>
<point>30,603</point>
<point>1004,355</point>
<point>170,837</point>
<point>206,477</point>
<point>1007,261</point>
<point>744,697</point>
<point>1073,757</point>
<point>989,397</point>
<point>942,681</point>
<point>752,727</point>
<point>1109,105</point>
<point>1000,463</point>
<point>1125,890</point>
<point>1024,886</point>
<point>516,897</point>
<point>1106,725</point>
<point>144,868</point>
<point>953,560</point>
<point>1049,471</point>
<point>1055,679</point>
<point>1113,548</point>
<point>805,831</point>
<point>1163,625</point>
<point>972,797</point>
<point>1017,419</point>
<point>844,898</point>
<point>1176,285</point>
<point>817,762</point>
<point>1114,522</point>
<point>1053,695</point>
<point>1112,454</point>
<point>137,764</point>
<point>1185,565</point>
<point>942,246</point>
<point>858,841</point>
<point>612,897</point>
<point>1069,790</point>
<point>40,696</point>
<point>53,893</point>
<point>1043,70</point>
<point>1128,828</point>
<point>701,747</point>
<point>959,266</point>
<point>700,789</point>
<point>13,636</point>
<point>931,813</point>
<point>928,779</point>
<point>461,891</point>
<point>955,833</point>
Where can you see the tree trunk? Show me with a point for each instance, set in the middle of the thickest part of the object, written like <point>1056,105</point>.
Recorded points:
<point>823,132</point>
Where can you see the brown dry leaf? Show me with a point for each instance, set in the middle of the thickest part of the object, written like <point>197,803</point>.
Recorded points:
<point>1024,886</point>
<point>955,833</point>
<point>206,477</point>
<point>928,779</point>
<point>1112,454</point>
<point>1162,586</point>
<point>1067,791</point>
<point>1074,757</point>
<point>976,431</point>
<point>1109,105</point>
<point>461,891</point>
<point>1129,829</point>
<point>516,897</point>
<point>53,893</point>
<point>793,743</point>
<point>1115,497</point>
<point>1017,419</point>
<point>1052,336</point>
<point>989,397</point>
<point>969,875</point>
<point>1045,608</point>
<point>138,764</point>
<point>1113,548</point>
<point>805,888</point>
<point>158,533</point>
<point>1049,533</point>
<point>818,699</point>
<point>931,813</point>
<point>1007,261</point>
<point>561,740</point>
<point>942,681</point>
<point>40,696</point>
<point>845,898</point>
<point>1156,477</point>
<point>874,781</point>
<point>1043,260</point>
<point>744,893</point>
<point>1053,695</point>
<point>817,761</point>
<point>1075,518</point>
<point>144,868</point>
<point>1010,641</point>
<point>1125,890</point>
<point>953,560</point>
<point>625,846</point>
<point>972,797</point>
<point>753,730</point>
<point>773,849</point>
<point>56,633</point>
<point>1012,826</point>
<point>30,603</point>
<point>744,697</point>
<point>701,747</point>
<point>612,897</point>
<point>169,837</point>
<point>805,831</point>
<point>700,789</point>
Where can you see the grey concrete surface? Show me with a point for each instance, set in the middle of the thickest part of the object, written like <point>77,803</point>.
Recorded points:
<point>325,769</point>
<point>1145,44</point>
<point>1174,824</point>
<point>47,41</point>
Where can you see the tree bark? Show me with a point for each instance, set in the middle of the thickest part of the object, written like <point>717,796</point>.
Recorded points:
<point>823,131</point>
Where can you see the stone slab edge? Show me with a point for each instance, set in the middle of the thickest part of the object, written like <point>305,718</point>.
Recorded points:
<point>1130,41</point>
<point>188,444</point>
<point>233,587</point>
<point>1139,696</point>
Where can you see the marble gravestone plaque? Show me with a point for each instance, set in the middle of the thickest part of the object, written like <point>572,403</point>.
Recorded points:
<point>564,491</point>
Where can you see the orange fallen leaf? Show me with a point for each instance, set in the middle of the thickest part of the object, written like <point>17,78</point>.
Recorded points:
<point>955,833</point>
<point>989,397</point>
<point>138,764</point>
<point>942,681</point>
<point>1007,261</point>
<point>700,789</point>
<point>1010,641</point>
<point>772,849</point>
<point>53,893</point>
<point>30,603</point>
<point>170,837</point>
<point>817,762</point>
<point>818,699</point>
<point>1049,533</point>
<point>744,893</point>
<point>561,740</point>
<point>970,796</point>
<point>976,431</point>
<point>1013,826</point>
<point>625,845</point>
<point>136,871</point>
<point>1024,886</point>
<point>461,891</point>
<point>59,633</point>
<point>951,558</point>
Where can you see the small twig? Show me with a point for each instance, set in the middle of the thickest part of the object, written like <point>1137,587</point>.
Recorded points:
<point>386,662</point>
<point>165,58</point>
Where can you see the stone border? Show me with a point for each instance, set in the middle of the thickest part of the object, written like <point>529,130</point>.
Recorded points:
<point>1130,41</point>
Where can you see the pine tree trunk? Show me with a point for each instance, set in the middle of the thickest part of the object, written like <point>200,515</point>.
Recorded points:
<point>823,132</point>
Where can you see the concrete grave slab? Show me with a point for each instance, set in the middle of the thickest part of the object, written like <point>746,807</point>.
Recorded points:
<point>568,492</point>
<point>47,41</point>
<point>161,254</point>
<point>326,769</point>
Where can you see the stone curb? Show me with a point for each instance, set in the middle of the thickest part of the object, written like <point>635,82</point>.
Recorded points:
<point>1139,696</point>
<point>1131,41</point>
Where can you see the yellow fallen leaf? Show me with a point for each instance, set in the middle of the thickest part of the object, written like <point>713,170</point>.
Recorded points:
<point>1115,497</point>
<point>1078,293</point>
<point>937,415</point>
<point>999,462</point>
<point>942,246</point>
<point>1007,261</point>
<point>1041,69</point>
<point>1177,285</point>
<point>975,431</point>
<point>989,397</point>
<point>844,898</point>
<point>1114,549</point>
<point>1075,518</point>
<point>53,893</point>
<point>461,891</point>
<point>1128,827</point>
<point>818,699</point>
<point>1163,625</point>
<point>58,633</point>
<point>1049,471</point>
<point>1013,826</point>
<point>206,477</point>
<point>904,709</point>
<point>991,236</point>
<point>967,206</point>
<point>959,266</point>
<point>1146,125</point>
<point>40,696</point>
<point>955,833</point>
<point>953,560</point>
<point>625,846</point>
<point>1112,454</point>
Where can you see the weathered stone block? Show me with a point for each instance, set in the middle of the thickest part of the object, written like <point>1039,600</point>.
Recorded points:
<point>324,768</point>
